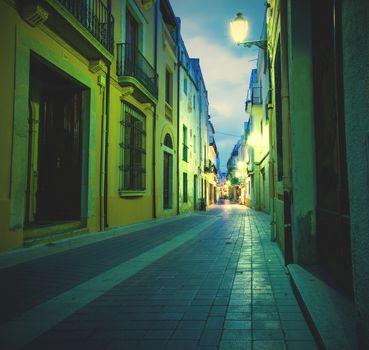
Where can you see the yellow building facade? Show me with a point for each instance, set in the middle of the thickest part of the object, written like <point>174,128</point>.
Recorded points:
<point>52,106</point>
<point>89,117</point>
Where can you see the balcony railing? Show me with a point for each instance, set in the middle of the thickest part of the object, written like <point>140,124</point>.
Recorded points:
<point>95,17</point>
<point>131,63</point>
<point>210,167</point>
<point>256,96</point>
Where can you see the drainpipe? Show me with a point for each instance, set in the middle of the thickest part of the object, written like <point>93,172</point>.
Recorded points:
<point>178,109</point>
<point>102,171</point>
<point>200,138</point>
<point>155,114</point>
<point>107,105</point>
<point>287,188</point>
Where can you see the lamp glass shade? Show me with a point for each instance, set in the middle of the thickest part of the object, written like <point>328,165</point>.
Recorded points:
<point>239,29</point>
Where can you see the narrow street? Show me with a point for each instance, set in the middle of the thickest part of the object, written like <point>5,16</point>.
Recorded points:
<point>198,281</point>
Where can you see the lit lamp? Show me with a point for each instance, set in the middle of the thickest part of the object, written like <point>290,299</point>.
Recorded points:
<point>239,29</point>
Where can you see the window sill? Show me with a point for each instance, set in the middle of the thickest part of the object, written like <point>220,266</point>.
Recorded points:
<point>131,193</point>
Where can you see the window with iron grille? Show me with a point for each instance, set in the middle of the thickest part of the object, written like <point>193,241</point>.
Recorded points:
<point>133,150</point>
<point>185,186</point>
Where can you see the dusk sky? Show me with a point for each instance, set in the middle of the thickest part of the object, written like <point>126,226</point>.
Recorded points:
<point>226,68</point>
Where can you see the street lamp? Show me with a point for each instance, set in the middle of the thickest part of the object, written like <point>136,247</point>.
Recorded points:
<point>239,29</point>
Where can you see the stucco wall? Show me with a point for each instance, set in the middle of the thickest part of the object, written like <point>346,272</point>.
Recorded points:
<point>355,18</point>
<point>302,130</point>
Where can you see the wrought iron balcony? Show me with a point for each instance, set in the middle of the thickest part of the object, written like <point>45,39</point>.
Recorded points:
<point>95,17</point>
<point>254,97</point>
<point>134,70</point>
<point>210,167</point>
<point>87,25</point>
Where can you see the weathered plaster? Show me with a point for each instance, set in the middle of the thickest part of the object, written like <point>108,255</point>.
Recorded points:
<point>302,130</point>
<point>355,32</point>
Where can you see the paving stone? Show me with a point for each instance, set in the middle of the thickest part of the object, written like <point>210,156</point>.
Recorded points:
<point>235,345</point>
<point>298,334</point>
<point>158,334</point>
<point>232,324</point>
<point>267,334</point>
<point>149,344</point>
<point>236,334</point>
<point>196,316</point>
<point>178,344</point>
<point>266,324</point>
<point>210,337</point>
<point>238,316</point>
<point>218,310</point>
<point>122,344</point>
<point>269,345</point>
<point>301,345</point>
<point>214,322</point>
<point>191,333</point>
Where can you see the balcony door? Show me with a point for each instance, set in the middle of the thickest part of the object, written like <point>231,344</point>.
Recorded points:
<point>131,44</point>
<point>131,29</point>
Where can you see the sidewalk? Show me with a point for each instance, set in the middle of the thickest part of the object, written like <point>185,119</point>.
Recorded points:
<point>202,281</point>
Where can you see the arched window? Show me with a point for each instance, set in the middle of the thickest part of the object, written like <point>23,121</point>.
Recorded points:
<point>168,141</point>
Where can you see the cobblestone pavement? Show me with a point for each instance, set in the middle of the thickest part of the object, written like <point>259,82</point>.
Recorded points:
<point>212,280</point>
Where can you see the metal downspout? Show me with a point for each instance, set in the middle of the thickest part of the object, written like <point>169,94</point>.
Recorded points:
<point>107,105</point>
<point>287,188</point>
<point>178,110</point>
<point>102,171</point>
<point>155,114</point>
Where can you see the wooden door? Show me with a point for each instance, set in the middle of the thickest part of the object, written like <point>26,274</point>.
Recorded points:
<point>167,181</point>
<point>60,156</point>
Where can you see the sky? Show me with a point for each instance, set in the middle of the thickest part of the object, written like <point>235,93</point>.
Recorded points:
<point>226,67</point>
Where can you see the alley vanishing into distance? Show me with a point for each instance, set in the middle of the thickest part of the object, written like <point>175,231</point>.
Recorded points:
<point>197,281</point>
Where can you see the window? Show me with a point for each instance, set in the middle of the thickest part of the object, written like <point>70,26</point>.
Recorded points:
<point>185,147</point>
<point>168,173</point>
<point>185,87</point>
<point>185,186</point>
<point>194,102</point>
<point>133,154</point>
<point>131,30</point>
<point>168,87</point>
<point>194,143</point>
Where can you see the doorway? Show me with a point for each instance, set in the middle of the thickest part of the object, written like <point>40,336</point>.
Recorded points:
<point>54,181</point>
<point>195,192</point>
<point>168,173</point>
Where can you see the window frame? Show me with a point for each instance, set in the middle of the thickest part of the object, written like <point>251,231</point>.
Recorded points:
<point>168,87</point>
<point>137,117</point>
<point>185,187</point>
<point>185,143</point>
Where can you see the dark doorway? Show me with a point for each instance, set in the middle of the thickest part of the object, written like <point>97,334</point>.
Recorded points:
<point>333,231</point>
<point>195,192</point>
<point>167,180</point>
<point>54,194</point>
